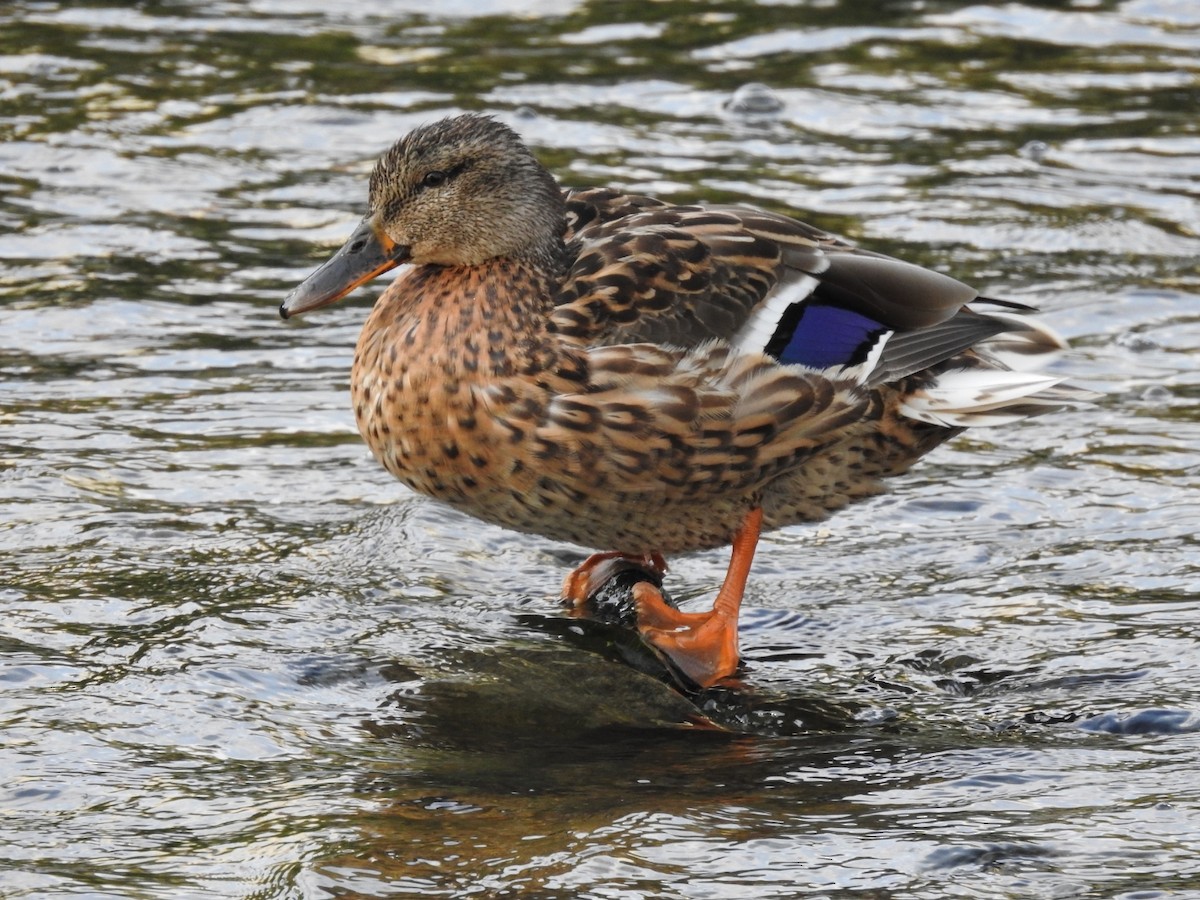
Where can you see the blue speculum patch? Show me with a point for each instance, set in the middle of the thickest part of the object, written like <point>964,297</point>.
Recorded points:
<point>823,337</point>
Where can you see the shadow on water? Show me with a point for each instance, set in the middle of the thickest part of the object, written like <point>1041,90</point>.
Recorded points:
<point>515,694</point>
<point>547,767</point>
<point>535,768</point>
<point>523,758</point>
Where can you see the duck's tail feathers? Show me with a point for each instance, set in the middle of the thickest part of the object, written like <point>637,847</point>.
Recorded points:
<point>961,398</point>
<point>1001,380</point>
<point>1025,343</point>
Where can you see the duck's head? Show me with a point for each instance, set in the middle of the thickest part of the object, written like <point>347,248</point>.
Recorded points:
<point>458,192</point>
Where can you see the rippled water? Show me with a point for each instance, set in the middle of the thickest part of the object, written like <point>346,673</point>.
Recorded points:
<point>238,660</point>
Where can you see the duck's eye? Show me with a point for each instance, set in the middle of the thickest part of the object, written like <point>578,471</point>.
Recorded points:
<point>434,179</point>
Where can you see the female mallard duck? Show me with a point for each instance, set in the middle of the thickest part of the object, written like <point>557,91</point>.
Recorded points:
<point>643,378</point>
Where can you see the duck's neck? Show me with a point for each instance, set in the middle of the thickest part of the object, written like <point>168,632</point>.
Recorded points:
<point>490,320</point>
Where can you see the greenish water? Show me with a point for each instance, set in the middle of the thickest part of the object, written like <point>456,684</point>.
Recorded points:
<point>237,660</point>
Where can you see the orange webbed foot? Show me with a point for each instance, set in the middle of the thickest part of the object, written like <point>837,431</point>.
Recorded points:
<point>703,646</point>
<point>579,586</point>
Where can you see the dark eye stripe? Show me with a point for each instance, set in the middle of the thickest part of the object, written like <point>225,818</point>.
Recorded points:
<point>437,177</point>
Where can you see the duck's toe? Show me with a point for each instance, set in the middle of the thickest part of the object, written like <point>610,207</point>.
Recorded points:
<point>581,584</point>
<point>703,646</point>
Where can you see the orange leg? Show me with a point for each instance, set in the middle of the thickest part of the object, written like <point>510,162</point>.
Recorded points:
<point>703,645</point>
<point>580,584</point>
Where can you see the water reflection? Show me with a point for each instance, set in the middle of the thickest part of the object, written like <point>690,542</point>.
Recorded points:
<point>239,661</point>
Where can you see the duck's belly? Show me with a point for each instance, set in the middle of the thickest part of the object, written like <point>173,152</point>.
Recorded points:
<point>578,504</point>
<point>578,497</point>
<point>458,448</point>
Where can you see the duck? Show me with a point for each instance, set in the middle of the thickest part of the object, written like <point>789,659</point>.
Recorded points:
<point>645,379</point>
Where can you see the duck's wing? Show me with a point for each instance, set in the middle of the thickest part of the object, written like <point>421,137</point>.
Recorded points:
<point>645,271</point>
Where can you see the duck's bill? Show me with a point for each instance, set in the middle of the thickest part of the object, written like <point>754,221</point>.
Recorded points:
<point>365,255</point>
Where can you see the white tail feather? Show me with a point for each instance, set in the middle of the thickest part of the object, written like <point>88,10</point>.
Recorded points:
<point>1030,345</point>
<point>968,397</point>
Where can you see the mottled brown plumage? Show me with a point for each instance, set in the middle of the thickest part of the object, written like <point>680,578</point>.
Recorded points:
<point>631,376</point>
